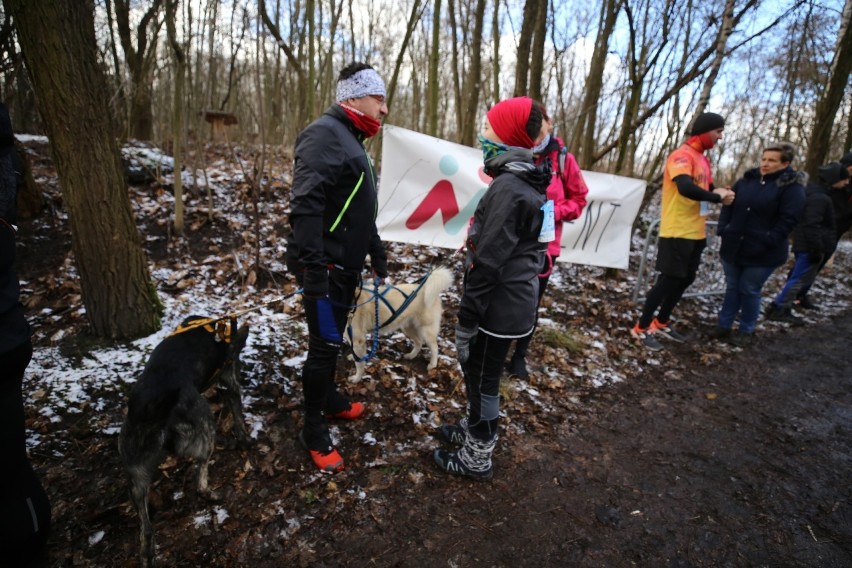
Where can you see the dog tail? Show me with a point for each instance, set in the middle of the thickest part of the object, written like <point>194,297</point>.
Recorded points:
<point>439,280</point>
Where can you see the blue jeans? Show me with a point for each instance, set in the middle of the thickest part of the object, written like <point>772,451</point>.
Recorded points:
<point>801,276</point>
<point>742,295</point>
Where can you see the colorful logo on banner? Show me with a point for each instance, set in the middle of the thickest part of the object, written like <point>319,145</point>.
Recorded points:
<point>442,199</point>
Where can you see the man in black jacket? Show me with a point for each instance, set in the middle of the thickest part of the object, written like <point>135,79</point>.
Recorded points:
<point>24,505</point>
<point>333,221</point>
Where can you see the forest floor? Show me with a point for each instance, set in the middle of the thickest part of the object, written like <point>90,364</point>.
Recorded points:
<point>700,455</point>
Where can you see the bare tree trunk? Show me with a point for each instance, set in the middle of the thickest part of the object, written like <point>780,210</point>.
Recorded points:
<point>413,18</point>
<point>434,88</point>
<point>522,65</point>
<point>495,58</point>
<point>177,112</point>
<point>301,115</point>
<point>457,95</point>
<point>58,42</point>
<point>474,78</point>
<point>139,60</point>
<point>826,109</point>
<point>538,56</point>
<point>584,132</point>
<point>719,55</point>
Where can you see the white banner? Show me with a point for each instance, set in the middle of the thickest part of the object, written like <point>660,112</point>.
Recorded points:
<point>429,189</point>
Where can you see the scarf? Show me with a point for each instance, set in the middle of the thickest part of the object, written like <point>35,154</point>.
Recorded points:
<point>367,125</point>
<point>519,162</point>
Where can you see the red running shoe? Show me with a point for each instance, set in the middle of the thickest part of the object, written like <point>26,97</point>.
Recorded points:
<point>355,411</point>
<point>328,461</point>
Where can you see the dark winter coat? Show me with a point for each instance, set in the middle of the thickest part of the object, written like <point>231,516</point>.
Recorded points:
<point>14,329</point>
<point>815,233</point>
<point>756,226</point>
<point>334,201</point>
<point>842,212</point>
<point>505,256</point>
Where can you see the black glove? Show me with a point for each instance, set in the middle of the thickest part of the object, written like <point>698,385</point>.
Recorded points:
<point>464,337</point>
<point>315,283</point>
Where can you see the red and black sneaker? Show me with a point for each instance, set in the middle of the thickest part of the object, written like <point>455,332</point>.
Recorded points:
<point>327,460</point>
<point>355,411</point>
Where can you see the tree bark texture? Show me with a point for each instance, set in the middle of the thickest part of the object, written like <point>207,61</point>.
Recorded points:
<point>58,43</point>
<point>829,102</point>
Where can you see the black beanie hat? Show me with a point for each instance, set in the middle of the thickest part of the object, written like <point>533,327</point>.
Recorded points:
<point>832,173</point>
<point>706,122</point>
<point>846,160</point>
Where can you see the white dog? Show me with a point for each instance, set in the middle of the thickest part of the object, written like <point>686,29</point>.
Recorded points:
<point>415,309</point>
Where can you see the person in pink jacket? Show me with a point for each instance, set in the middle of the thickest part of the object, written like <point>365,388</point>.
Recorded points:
<point>568,192</point>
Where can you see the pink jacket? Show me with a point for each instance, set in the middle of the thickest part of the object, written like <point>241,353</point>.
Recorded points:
<point>568,195</point>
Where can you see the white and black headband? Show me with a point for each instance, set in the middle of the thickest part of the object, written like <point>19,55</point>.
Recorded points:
<point>361,84</point>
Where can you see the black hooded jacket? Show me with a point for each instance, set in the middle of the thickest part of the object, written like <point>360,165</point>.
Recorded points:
<point>334,201</point>
<point>815,232</point>
<point>505,256</point>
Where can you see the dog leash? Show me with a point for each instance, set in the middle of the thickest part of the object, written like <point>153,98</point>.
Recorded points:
<point>375,344</point>
<point>223,326</point>
<point>380,295</point>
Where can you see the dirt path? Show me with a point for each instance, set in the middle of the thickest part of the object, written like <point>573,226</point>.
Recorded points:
<point>742,462</point>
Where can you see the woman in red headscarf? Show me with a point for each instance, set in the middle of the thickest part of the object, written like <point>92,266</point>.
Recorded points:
<point>506,248</point>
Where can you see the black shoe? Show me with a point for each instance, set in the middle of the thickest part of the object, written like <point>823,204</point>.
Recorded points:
<point>517,366</point>
<point>785,316</point>
<point>740,339</point>
<point>771,310</point>
<point>719,332</point>
<point>806,304</point>
<point>450,462</point>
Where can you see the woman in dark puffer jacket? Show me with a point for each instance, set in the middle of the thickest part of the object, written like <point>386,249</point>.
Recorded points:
<point>755,230</point>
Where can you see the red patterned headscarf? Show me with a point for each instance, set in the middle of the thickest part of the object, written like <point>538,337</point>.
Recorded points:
<point>509,119</point>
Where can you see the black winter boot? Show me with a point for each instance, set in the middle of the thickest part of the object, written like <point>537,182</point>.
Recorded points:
<point>473,460</point>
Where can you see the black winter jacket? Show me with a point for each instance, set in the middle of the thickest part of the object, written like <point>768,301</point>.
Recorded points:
<point>334,201</point>
<point>756,227</point>
<point>842,211</point>
<point>504,254</point>
<point>815,232</point>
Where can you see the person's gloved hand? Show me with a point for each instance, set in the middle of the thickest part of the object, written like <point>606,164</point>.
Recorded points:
<point>464,337</point>
<point>814,257</point>
<point>315,283</point>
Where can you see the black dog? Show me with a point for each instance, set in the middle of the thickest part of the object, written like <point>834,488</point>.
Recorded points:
<point>167,414</point>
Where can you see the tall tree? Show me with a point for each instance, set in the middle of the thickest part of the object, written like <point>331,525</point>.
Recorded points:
<point>58,43</point>
<point>583,140</point>
<point>832,96</point>
<point>139,59</point>
<point>179,61</point>
<point>474,78</point>
<point>538,56</point>
<point>433,88</point>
